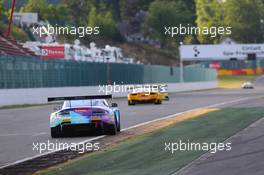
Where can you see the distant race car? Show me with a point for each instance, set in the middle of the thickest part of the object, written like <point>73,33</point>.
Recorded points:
<point>85,113</point>
<point>247,85</point>
<point>164,93</point>
<point>142,95</point>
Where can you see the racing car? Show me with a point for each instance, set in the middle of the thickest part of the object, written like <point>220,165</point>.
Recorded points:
<point>164,93</point>
<point>84,113</point>
<point>144,95</point>
<point>247,85</point>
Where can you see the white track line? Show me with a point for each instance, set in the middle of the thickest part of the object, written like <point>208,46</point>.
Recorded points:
<point>23,134</point>
<point>46,153</point>
<point>131,127</point>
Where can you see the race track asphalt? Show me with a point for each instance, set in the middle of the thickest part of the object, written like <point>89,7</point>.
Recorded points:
<point>245,158</point>
<point>21,127</point>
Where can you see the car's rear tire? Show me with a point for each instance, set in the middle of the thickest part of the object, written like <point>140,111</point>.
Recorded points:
<point>118,126</point>
<point>110,129</point>
<point>158,102</point>
<point>56,132</point>
<point>130,103</point>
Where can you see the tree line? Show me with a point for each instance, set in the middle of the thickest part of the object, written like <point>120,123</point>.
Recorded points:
<point>246,17</point>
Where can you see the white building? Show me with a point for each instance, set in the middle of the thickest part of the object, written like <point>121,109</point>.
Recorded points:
<point>25,19</point>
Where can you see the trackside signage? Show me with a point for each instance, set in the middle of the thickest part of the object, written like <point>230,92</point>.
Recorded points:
<point>220,52</point>
<point>52,51</point>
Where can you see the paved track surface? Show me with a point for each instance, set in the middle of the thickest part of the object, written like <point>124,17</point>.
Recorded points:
<point>245,158</point>
<point>247,154</point>
<point>20,128</point>
<point>259,81</point>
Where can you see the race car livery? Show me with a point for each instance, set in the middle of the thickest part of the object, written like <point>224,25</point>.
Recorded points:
<point>163,91</point>
<point>84,113</point>
<point>247,85</point>
<point>143,95</point>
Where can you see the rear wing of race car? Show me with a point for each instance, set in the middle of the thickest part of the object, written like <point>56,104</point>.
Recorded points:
<point>50,99</point>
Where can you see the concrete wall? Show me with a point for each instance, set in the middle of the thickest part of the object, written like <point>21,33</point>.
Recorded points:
<point>39,95</point>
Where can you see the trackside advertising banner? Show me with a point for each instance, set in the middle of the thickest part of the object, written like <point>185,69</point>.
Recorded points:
<point>220,52</point>
<point>52,51</point>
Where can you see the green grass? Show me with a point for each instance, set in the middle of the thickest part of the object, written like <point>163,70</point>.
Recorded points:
<point>146,155</point>
<point>235,81</point>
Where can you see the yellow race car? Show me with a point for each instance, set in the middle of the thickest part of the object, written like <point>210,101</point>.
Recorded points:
<point>142,96</point>
<point>164,93</point>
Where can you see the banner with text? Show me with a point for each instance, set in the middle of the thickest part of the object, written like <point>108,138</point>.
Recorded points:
<point>52,52</point>
<point>220,52</point>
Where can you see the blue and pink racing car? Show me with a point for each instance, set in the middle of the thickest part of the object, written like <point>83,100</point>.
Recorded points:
<point>85,113</point>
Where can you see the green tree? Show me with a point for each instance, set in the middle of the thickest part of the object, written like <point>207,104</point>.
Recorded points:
<point>190,4</point>
<point>244,17</point>
<point>58,14</point>
<point>209,14</point>
<point>79,9</point>
<point>103,20</point>
<point>3,11</point>
<point>3,16</point>
<point>129,8</point>
<point>113,6</point>
<point>164,14</point>
<point>39,6</point>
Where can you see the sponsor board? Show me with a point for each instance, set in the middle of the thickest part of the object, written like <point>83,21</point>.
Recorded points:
<point>215,65</point>
<point>52,51</point>
<point>220,52</point>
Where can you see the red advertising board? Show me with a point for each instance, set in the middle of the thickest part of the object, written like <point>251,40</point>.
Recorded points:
<point>52,51</point>
<point>215,65</point>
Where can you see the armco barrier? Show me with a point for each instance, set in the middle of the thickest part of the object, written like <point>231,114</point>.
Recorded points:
<point>32,72</point>
<point>39,95</point>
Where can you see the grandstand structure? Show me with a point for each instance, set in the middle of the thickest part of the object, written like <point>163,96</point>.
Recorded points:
<point>9,46</point>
